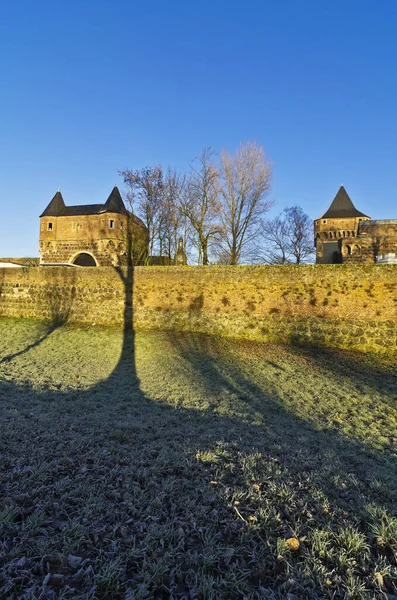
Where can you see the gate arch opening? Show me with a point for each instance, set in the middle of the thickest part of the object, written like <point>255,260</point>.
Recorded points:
<point>84,260</point>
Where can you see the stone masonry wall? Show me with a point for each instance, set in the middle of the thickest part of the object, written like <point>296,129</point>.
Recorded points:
<point>328,232</point>
<point>334,305</point>
<point>374,238</point>
<point>106,252</point>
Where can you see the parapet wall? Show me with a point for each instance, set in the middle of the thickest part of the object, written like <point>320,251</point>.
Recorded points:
<point>335,305</point>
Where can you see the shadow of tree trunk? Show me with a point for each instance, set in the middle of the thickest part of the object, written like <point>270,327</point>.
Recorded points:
<point>126,366</point>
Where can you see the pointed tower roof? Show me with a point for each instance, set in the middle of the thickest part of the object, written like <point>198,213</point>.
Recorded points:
<point>114,203</point>
<point>342,207</point>
<point>56,207</point>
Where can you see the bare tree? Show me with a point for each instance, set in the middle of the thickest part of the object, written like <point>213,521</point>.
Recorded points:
<point>200,203</point>
<point>289,237</point>
<point>244,184</point>
<point>171,226</point>
<point>300,234</point>
<point>275,250</point>
<point>145,198</point>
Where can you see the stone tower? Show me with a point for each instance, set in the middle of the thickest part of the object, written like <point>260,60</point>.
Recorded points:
<point>91,235</point>
<point>341,221</point>
<point>180,255</point>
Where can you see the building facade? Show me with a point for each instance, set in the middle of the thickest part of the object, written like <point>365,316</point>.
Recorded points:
<point>91,235</point>
<point>343,234</point>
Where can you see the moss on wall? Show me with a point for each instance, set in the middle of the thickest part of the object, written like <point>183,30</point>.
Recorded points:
<point>335,305</point>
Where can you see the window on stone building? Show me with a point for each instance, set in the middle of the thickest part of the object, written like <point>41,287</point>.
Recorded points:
<point>325,220</point>
<point>49,226</point>
<point>111,224</point>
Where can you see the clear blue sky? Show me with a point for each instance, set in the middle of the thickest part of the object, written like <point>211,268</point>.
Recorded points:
<point>91,86</point>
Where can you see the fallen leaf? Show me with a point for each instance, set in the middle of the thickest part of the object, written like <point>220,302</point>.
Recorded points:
<point>379,579</point>
<point>292,544</point>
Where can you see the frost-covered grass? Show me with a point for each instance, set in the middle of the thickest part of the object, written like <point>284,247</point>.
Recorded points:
<point>193,467</point>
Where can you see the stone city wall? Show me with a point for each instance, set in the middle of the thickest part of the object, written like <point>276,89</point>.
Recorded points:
<point>334,305</point>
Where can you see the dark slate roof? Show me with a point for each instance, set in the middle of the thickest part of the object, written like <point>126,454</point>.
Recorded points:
<point>114,204</point>
<point>82,209</point>
<point>342,207</point>
<point>56,207</point>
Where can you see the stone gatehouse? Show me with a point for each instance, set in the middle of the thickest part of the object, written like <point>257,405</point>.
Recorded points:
<point>343,234</point>
<point>91,235</point>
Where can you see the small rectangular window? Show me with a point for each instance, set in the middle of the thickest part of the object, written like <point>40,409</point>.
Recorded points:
<point>49,226</point>
<point>111,224</point>
<point>324,221</point>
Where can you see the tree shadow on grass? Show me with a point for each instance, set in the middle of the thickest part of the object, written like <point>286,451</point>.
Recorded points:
<point>160,500</point>
<point>376,371</point>
<point>48,331</point>
<point>59,304</point>
<point>274,415</point>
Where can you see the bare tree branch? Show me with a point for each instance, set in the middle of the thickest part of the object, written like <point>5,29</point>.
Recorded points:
<point>171,221</point>
<point>145,197</point>
<point>200,202</point>
<point>288,238</point>
<point>244,183</point>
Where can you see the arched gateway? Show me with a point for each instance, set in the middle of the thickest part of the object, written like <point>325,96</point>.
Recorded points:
<point>84,260</point>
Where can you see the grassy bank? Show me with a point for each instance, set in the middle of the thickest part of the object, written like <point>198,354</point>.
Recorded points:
<point>175,466</point>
